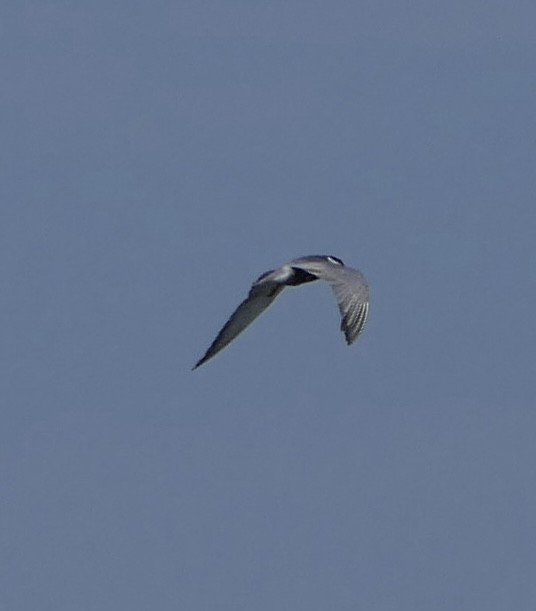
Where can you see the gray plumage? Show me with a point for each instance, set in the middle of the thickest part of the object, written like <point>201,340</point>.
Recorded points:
<point>349,286</point>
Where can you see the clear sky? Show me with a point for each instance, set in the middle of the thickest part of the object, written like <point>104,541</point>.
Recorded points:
<point>155,158</point>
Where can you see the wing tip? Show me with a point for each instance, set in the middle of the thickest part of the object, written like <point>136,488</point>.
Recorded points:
<point>349,336</point>
<point>352,325</point>
<point>200,362</point>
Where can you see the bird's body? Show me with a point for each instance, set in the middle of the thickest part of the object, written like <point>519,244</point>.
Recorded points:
<point>349,286</point>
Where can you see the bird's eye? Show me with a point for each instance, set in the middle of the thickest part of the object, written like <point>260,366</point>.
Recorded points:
<point>335,260</point>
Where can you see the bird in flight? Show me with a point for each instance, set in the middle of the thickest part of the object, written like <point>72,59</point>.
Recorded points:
<point>349,286</point>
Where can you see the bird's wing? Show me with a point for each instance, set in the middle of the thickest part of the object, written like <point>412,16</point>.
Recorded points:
<point>259,298</point>
<point>351,291</point>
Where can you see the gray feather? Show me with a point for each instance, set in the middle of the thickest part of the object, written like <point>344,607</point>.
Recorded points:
<point>259,298</point>
<point>349,287</point>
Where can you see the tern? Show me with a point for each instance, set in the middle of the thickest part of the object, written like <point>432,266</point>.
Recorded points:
<point>349,286</point>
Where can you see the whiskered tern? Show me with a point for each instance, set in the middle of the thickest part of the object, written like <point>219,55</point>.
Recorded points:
<point>349,286</point>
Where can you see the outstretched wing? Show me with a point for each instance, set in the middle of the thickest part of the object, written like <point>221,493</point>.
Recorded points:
<point>259,298</point>
<point>350,288</point>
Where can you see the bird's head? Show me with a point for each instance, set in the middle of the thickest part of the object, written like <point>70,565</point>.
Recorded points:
<point>334,260</point>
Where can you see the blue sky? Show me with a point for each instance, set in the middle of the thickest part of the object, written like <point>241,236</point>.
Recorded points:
<point>156,158</point>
